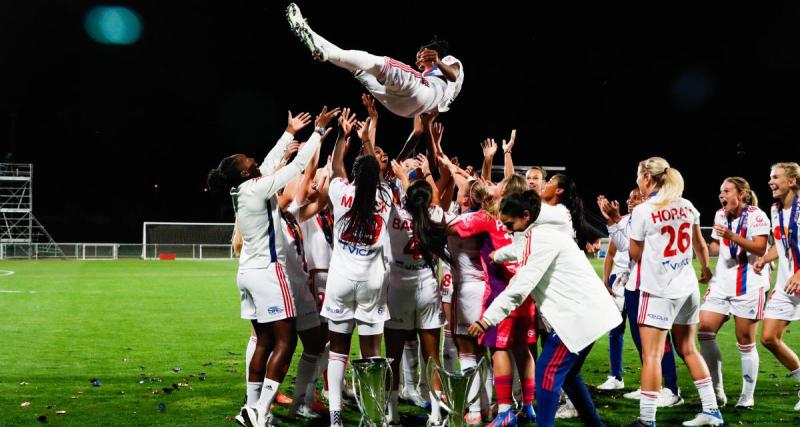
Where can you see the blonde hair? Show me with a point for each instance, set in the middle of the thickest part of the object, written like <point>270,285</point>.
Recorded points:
<point>743,186</point>
<point>668,181</point>
<point>513,184</point>
<point>237,240</point>
<point>792,171</point>
<point>480,199</point>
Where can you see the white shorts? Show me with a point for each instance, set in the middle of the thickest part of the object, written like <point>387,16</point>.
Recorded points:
<point>363,300</point>
<point>662,313</point>
<point>747,306</point>
<point>304,302</point>
<point>467,305</point>
<point>782,307</point>
<point>404,90</point>
<point>319,279</point>
<point>265,294</point>
<point>618,279</point>
<point>413,304</point>
<point>348,326</point>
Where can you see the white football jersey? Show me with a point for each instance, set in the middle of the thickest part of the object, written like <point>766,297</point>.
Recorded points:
<point>404,252</point>
<point>666,267</point>
<point>318,240</point>
<point>734,276</point>
<point>466,255</point>
<point>622,259</point>
<point>453,88</point>
<point>352,260</point>
<point>788,262</point>
<point>295,252</point>
<point>257,212</point>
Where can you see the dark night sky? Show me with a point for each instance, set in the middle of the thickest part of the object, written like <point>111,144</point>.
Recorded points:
<point>712,88</point>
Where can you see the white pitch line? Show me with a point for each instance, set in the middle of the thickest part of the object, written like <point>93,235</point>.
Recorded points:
<point>7,291</point>
<point>6,273</point>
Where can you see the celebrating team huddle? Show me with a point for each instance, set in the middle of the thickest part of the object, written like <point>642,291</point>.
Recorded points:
<point>402,250</point>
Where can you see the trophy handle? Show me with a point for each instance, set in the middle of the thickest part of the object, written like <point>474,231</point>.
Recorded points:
<point>481,372</point>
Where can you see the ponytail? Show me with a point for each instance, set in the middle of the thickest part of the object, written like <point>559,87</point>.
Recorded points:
<point>431,236</point>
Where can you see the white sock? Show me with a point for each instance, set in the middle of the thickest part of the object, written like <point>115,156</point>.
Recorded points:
<point>705,389</point>
<point>253,393</point>
<point>749,355</point>
<point>352,60</point>
<point>394,402</point>
<point>410,364</point>
<point>248,355</point>
<point>306,370</point>
<point>488,387</point>
<point>336,365</point>
<point>268,392</point>
<point>710,351</point>
<point>436,413</point>
<point>449,352</point>
<point>322,364</point>
<point>468,361</point>
<point>647,406</point>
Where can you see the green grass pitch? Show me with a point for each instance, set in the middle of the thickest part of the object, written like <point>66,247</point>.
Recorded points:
<point>139,327</point>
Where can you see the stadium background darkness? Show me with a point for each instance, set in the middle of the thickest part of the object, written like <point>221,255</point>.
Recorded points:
<point>124,134</point>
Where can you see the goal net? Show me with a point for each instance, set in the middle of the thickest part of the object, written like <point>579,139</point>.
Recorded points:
<point>187,240</point>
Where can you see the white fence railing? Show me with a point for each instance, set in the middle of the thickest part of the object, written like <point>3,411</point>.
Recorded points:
<point>115,251</point>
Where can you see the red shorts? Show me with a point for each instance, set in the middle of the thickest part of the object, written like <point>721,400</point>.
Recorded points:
<point>519,325</point>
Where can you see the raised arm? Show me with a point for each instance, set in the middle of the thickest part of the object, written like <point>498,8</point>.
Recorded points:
<point>413,139</point>
<point>367,144</point>
<point>372,113</point>
<point>273,158</point>
<point>508,163</point>
<point>346,122</point>
<point>427,176</point>
<point>489,147</point>
<point>301,194</point>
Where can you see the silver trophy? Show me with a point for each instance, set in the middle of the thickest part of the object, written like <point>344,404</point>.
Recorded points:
<point>370,378</point>
<point>455,387</point>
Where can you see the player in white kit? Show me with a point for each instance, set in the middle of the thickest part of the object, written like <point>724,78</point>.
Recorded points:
<point>740,235</point>
<point>783,306</point>
<point>266,297</point>
<point>355,293</point>
<point>417,237</point>
<point>664,230</point>
<point>401,89</point>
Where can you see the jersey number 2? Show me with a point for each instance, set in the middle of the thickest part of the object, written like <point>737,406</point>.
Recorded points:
<point>682,237</point>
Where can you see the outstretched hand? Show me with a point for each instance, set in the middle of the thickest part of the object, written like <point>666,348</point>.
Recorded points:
<point>326,116</point>
<point>489,147</point>
<point>297,122</point>
<point>507,146</point>
<point>347,121</point>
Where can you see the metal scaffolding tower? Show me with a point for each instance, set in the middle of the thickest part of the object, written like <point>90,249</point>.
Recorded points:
<point>21,235</point>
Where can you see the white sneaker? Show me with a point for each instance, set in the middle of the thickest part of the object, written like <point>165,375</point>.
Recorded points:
<point>747,402</point>
<point>612,383</point>
<point>633,395</point>
<point>797,405</point>
<point>247,417</point>
<point>413,395</point>
<point>722,400</point>
<point>302,410</point>
<point>566,411</point>
<point>666,398</point>
<point>300,28</point>
<point>705,419</point>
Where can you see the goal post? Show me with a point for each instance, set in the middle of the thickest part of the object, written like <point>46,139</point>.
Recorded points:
<point>195,240</point>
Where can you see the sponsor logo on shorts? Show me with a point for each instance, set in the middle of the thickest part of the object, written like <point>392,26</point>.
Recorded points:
<point>274,310</point>
<point>334,310</point>
<point>658,317</point>
<point>381,309</point>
